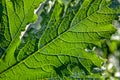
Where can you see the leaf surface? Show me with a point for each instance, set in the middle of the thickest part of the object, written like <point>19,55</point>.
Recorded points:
<point>15,15</point>
<point>61,44</point>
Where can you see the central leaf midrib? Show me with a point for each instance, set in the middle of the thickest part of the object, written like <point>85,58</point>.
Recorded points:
<point>45,45</point>
<point>67,30</point>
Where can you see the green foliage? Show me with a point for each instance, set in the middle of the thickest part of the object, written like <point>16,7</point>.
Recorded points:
<point>61,46</point>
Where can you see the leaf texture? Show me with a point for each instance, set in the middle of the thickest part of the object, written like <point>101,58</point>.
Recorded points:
<point>15,15</point>
<point>60,45</point>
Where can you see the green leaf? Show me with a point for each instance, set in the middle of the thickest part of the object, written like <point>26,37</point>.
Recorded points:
<point>61,45</point>
<point>15,15</point>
